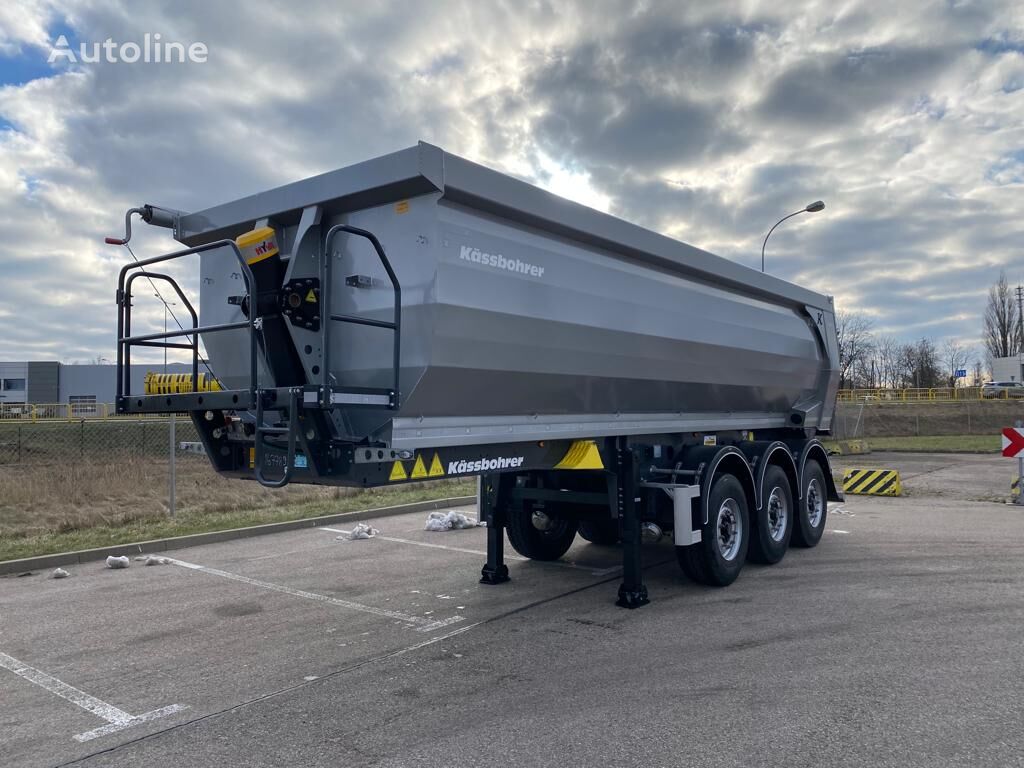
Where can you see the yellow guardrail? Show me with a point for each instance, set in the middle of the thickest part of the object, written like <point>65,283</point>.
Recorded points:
<point>68,412</point>
<point>932,395</point>
<point>56,411</point>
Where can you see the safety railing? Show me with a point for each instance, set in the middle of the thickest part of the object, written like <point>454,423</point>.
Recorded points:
<point>929,395</point>
<point>125,341</point>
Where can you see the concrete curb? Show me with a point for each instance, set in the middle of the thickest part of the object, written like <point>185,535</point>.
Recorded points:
<point>42,562</point>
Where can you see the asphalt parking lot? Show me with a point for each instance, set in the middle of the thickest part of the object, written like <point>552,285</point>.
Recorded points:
<point>897,641</point>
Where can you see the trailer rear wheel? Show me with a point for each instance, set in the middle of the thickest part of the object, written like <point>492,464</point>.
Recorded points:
<point>773,523</point>
<point>604,531</point>
<point>716,560</point>
<point>813,507</point>
<point>532,542</point>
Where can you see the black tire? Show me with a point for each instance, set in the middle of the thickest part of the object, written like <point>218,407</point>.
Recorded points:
<point>604,531</point>
<point>812,510</point>
<point>773,523</point>
<point>705,562</point>
<point>535,544</point>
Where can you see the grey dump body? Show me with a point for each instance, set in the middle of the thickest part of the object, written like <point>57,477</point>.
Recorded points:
<point>525,316</point>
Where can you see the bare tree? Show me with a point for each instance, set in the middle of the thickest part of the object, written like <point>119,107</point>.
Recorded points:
<point>954,358</point>
<point>1002,325</point>
<point>855,344</point>
<point>926,368</point>
<point>887,353</point>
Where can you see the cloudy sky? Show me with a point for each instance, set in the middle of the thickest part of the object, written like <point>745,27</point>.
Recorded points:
<point>706,121</point>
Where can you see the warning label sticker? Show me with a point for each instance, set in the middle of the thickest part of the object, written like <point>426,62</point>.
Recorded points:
<point>436,468</point>
<point>419,469</point>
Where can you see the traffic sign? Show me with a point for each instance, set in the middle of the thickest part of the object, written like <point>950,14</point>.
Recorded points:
<point>1013,442</point>
<point>961,373</point>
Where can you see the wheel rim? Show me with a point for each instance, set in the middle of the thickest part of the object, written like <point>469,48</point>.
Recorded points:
<point>815,503</point>
<point>778,514</point>
<point>730,529</point>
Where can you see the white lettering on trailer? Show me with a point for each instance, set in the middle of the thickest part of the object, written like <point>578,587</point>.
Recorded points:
<point>484,465</point>
<point>498,261</point>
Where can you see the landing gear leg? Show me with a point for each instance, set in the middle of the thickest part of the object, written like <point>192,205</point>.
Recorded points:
<point>492,511</point>
<point>622,493</point>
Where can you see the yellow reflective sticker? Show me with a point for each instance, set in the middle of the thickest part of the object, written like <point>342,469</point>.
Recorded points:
<point>436,469</point>
<point>311,297</point>
<point>419,469</point>
<point>398,472</point>
<point>402,206</point>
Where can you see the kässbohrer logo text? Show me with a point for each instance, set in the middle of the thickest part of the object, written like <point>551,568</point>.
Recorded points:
<point>484,465</point>
<point>496,260</point>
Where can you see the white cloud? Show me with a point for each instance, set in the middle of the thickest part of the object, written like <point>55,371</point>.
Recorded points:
<point>24,22</point>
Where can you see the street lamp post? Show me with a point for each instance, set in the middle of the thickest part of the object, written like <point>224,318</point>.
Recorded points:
<point>814,207</point>
<point>165,303</point>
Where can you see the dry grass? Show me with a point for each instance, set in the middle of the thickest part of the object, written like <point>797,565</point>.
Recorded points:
<point>69,497</point>
<point>973,417</point>
<point>61,507</point>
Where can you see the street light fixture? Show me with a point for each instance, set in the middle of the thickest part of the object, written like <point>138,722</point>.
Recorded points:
<point>814,207</point>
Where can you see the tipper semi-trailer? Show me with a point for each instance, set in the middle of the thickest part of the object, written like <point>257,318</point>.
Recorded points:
<point>418,316</point>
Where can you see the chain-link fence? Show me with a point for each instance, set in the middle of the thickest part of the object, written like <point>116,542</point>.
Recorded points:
<point>938,418</point>
<point>92,441</point>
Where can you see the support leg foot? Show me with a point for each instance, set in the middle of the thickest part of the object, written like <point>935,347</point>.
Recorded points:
<point>494,574</point>
<point>632,598</point>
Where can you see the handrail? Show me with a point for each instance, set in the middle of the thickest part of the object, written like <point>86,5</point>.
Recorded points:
<point>188,305</point>
<point>125,341</point>
<point>395,326</point>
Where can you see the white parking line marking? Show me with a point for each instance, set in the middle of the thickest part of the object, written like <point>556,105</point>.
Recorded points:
<point>117,719</point>
<point>836,530</point>
<point>422,625</point>
<point>105,730</point>
<point>508,556</point>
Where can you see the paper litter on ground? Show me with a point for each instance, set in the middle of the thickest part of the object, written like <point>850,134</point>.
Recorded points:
<point>60,573</point>
<point>153,560</point>
<point>360,531</point>
<point>118,562</point>
<point>446,521</point>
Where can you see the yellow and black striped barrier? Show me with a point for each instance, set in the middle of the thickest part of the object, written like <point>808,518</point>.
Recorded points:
<point>872,482</point>
<point>1015,487</point>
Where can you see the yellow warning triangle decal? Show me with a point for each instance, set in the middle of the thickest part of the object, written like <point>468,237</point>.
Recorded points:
<point>311,297</point>
<point>418,470</point>
<point>436,470</point>
<point>398,472</point>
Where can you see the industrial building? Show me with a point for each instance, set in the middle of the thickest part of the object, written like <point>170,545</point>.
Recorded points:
<point>81,386</point>
<point>1008,368</point>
